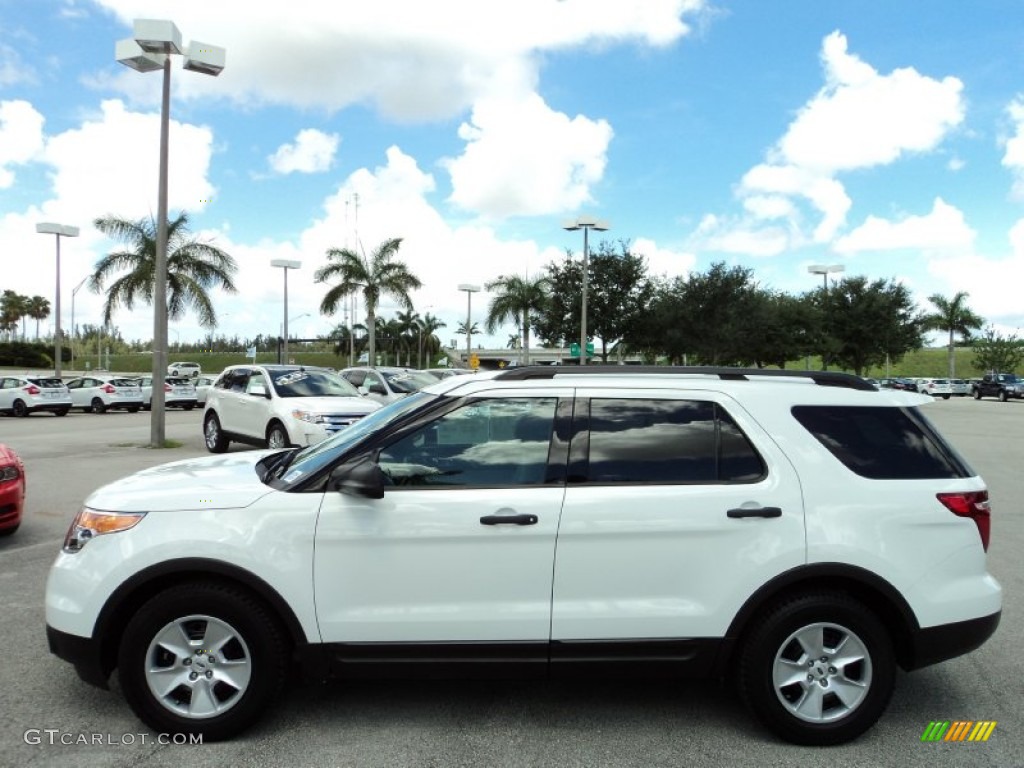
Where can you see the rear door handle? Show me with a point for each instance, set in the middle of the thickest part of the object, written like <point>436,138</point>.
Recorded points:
<point>509,520</point>
<point>755,512</point>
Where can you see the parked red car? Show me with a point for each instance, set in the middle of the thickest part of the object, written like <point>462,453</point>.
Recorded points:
<point>12,490</point>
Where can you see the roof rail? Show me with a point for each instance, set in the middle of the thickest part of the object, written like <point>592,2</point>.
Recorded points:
<point>822,378</point>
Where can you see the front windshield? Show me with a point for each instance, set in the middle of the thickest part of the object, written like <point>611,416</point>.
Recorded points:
<point>408,381</point>
<point>311,459</point>
<point>305,383</point>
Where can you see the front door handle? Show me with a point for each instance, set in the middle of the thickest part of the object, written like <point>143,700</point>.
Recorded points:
<point>755,512</point>
<point>509,520</point>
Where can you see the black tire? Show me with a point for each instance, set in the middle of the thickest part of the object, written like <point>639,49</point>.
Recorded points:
<point>8,531</point>
<point>134,409</point>
<point>771,646</point>
<point>1002,396</point>
<point>214,697</point>
<point>277,435</point>
<point>62,412</point>
<point>19,409</point>
<point>213,435</point>
<point>945,397</point>
<point>188,407</point>
<point>98,406</point>
<point>977,394</point>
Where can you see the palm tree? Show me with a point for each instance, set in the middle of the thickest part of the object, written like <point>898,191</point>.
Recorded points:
<point>38,308</point>
<point>408,331</point>
<point>374,276</point>
<point>517,300</point>
<point>955,317</point>
<point>429,343</point>
<point>12,309</point>
<point>193,268</point>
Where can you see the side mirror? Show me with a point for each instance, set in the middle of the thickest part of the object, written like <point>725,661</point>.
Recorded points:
<point>364,478</point>
<point>258,390</point>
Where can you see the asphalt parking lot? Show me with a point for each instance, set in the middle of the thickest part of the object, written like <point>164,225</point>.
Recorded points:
<point>43,705</point>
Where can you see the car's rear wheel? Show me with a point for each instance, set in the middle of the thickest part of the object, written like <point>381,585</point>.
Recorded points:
<point>202,658</point>
<point>1002,396</point>
<point>19,409</point>
<point>277,436</point>
<point>62,412</point>
<point>98,406</point>
<point>817,669</point>
<point>134,409</point>
<point>216,442</point>
<point>9,531</point>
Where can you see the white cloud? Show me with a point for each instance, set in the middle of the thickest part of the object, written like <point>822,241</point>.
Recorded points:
<point>941,230</point>
<point>408,59</point>
<point>117,147</point>
<point>859,119</point>
<point>312,152</point>
<point>21,136</point>
<point>862,119</point>
<point>523,158</point>
<point>1013,158</point>
<point>663,262</point>
<point>730,235</point>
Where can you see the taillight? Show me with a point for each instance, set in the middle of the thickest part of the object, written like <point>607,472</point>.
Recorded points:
<point>167,387</point>
<point>109,389</point>
<point>972,504</point>
<point>32,389</point>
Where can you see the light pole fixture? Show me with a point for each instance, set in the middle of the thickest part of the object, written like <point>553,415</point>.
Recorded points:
<point>58,230</point>
<point>470,290</point>
<point>150,48</point>
<point>586,223</point>
<point>285,265</point>
<point>74,292</point>
<point>825,270</point>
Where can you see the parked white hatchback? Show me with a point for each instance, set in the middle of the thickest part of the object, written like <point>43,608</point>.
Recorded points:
<point>179,392</point>
<point>98,393</point>
<point>935,387</point>
<point>22,395</point>
<point>279,405</point>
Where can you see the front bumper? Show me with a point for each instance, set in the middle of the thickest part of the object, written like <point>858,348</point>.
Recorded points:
<point>83,652</point>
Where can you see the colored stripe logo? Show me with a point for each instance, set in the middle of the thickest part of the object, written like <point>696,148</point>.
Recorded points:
<point>958,730</point>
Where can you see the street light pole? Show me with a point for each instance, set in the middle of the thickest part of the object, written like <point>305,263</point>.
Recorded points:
<point>149,49</point>
<point>824,270</point>
<point>586,223</point>
<point>49,228</point>
<point>285,265</point>
<point>470,290</point>
<point>74,292</point>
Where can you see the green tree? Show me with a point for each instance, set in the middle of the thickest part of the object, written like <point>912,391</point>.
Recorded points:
<point>869,320</point>
<point>955,318</point>
<point>194,269</point>
<point>38,308</point>
<point>517,300</point>
<point>373,276</point>
<point>429,344</point>
<point>619,293</point>
<point>13,309</point>
<point>996,353</point>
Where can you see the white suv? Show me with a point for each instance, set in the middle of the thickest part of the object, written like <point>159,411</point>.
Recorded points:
<point>799,532</point>
<point>279,405</point>
<point>191,370</point>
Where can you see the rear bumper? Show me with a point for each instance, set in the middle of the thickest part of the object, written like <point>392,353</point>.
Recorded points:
<point>947,641</point>
<point>82,652</point>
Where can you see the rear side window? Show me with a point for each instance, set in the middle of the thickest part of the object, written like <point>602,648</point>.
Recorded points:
<point>883,443</point>
<point>666,442</point>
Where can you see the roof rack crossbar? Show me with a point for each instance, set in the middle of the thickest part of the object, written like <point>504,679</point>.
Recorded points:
<point>821,378</point>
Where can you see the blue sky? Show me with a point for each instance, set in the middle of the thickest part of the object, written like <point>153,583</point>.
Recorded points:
<point>886,137</point>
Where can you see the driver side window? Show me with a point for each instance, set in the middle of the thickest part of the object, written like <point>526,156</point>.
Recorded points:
<point>484,443</point>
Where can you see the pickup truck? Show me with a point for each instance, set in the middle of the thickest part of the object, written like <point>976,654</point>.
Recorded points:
<point>1000,385</point>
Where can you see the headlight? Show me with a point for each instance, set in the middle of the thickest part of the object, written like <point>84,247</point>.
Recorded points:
<point>9,473</point>
<point>89,523</point>
<point>309,416</point>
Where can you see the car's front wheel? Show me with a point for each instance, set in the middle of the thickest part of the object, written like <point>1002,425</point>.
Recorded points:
<point>202,658</point>
<point>817,669</point>
<point>216,442</point>
<point>277,436</point>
